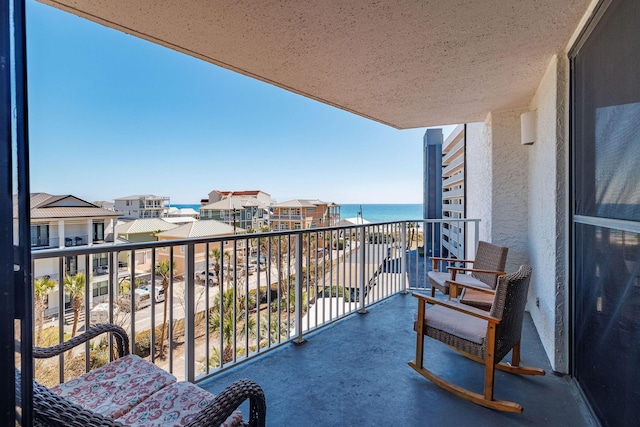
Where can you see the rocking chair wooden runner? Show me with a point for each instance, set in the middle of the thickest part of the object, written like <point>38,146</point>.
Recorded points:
<point>483,337</point>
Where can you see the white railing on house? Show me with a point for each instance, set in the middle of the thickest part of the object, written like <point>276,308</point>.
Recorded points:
<point>203,305</point>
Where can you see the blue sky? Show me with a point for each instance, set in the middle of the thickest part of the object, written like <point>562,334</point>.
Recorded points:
<point>112,115</point>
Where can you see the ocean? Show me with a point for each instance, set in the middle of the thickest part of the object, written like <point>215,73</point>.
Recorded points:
<point>370,212</point>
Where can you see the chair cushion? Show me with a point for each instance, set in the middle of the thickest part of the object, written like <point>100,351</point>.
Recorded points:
<point>113,389</point>
<point>175,405</point>
<point>456,323</point>
<point>440,278</point>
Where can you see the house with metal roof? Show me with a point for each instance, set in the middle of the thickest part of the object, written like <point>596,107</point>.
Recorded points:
<point>197,229</point>
<point>243,212</point>
<point>303,213</point>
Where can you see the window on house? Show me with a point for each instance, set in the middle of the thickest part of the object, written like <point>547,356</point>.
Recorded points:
<point>40,235</point>
<point>98,231</point>
<point>100,288</point>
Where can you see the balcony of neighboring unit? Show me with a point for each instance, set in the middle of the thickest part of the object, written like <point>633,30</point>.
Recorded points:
<point>453,207</point>
<point>44,242</point>
<point>275,217</point>
<point>455,166</point>
<point>456,150</point>
<point>453,194</point>
<point>454,180</point>
<point>75,241</point>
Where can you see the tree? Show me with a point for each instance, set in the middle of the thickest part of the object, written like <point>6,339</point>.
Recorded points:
<point>272,331</point>
<point>74,286</point>
<point>164,269</point>
<point>41,288</point>
<point>234,321</point>
<point>215,254</point>
<point>412,231</point>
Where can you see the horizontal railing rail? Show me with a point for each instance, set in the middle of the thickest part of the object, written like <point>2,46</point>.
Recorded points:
<point>198,306</point>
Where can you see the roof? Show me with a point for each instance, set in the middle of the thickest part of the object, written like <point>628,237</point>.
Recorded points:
<point>144,225</point>
<point>407,64</point>
<point>179,219</point>
<point>203,228</point>
<point>241,193</point>
<point>233,203</point>
<point>299,203</point>
<point>44,205</point>
<point>140,196</point>
<point>353,221</point>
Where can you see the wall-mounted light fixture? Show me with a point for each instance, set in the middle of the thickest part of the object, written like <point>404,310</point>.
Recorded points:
<point>528,128</point>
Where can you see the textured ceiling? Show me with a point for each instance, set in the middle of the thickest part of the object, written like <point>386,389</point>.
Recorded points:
<point>404,63</point>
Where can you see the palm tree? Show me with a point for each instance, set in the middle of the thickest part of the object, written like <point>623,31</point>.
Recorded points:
<point>272,331</point>
<point>74,286</point>
<point>164,269</point>
<point>41,288</point>
<point>234,321</point>
<point>412,231</point>
<point>215,254</point>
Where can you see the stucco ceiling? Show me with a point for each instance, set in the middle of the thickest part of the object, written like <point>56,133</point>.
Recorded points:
<point>404,63</point>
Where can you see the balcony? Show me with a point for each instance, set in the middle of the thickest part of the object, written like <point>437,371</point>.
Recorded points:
<point>310,287</point>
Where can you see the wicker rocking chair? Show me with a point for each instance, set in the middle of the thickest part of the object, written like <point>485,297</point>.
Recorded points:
<point>131,391</point>
<point>483,337</point>
<point>488,265</point>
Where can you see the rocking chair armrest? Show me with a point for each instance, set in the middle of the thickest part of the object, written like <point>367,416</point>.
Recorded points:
<point>435,258</point>
<point>120,335</point>
<point>229,400</point>
<point>475,270</point>
<point>454,305</point>
<point>470,286</point>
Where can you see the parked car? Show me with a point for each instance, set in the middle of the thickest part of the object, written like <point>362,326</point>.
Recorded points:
<point>210,278</point>
<point>142,300</point>
<point>158,292</point>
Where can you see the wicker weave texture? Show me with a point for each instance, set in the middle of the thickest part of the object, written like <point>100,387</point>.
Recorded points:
<point>51,409</point>
<point>508,306</point>
<point>489,257</point>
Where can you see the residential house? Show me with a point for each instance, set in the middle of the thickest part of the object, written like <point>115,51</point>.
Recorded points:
<point>217,195</point>
<point>142,206</point>
<point>243,212</point>
<point>209,228</point>
<point>302,214</point>
<point>62,222</point>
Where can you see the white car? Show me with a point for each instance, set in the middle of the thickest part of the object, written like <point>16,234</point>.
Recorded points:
<point>210,278</point>
<point>158,290</point>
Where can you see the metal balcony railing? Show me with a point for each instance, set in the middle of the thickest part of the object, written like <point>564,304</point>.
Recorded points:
<point>203,305</point>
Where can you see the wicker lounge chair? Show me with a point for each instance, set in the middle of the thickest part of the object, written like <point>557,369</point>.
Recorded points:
<point>483,337</point>
<point>131,391</point>
<point>488,265</point>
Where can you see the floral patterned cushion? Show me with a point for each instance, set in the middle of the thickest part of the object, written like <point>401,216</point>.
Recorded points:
<point>115,388</point>
<point>175,405</point>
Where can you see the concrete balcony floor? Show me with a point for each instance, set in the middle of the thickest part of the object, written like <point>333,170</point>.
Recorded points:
<point>355,373</point>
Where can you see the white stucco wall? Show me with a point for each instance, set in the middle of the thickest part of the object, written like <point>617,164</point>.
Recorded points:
<point>478,179</point>
<point>497,183</point>
<point>548,230</point>
<point>510,187</point>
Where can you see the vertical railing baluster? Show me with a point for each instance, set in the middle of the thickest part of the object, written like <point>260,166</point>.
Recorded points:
<point>189,315</point>
<point>403,258</point>
<point>298,290</point>
<point>362,275</point>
